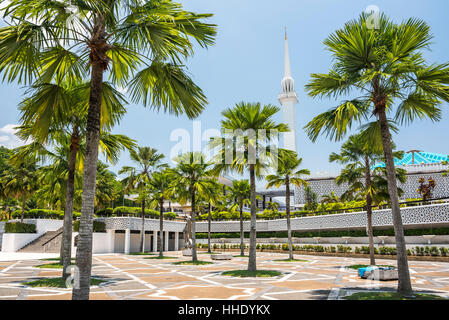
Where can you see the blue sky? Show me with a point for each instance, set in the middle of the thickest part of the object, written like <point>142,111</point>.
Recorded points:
<point>246,64</point>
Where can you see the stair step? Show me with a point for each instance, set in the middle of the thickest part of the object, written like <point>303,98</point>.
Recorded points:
<point>48,242</point>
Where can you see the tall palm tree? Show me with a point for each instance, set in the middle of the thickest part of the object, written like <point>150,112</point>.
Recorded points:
<point>55,114</point>
<point>240,194</point>
<point>211,197</point>
<point>359,154</point>
<point>160,190</point>
<point>246,130</point>
<point>140,43</point>
<point>148,160</point>
<point>386,66</point>
<point>192,176</point>
<point>287,172</point>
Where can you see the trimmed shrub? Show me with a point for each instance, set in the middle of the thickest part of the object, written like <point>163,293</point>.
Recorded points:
<point>19,227</point>
<point>99,226</point>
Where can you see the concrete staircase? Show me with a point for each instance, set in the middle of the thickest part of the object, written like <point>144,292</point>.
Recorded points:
<point>48,242</point>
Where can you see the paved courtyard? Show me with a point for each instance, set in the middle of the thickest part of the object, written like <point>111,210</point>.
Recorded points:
<point>134,277</point>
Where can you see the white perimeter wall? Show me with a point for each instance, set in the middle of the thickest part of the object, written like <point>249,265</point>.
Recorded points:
<point>12,242</point>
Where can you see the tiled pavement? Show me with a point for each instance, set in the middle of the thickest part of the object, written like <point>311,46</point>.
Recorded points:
<point>134,277</point>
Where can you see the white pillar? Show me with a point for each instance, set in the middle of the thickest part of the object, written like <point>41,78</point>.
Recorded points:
<point>176,241</point>
<point>127,240</point>
<point>154,241</point>
<point>111,239</point>
<point>166,241</point>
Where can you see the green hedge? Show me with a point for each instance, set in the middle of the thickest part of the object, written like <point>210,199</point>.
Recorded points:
<point>99,226</point>
<point>416,251</point>
<point>42,214</point>
<point>324,234</point>
<point>19,227</point>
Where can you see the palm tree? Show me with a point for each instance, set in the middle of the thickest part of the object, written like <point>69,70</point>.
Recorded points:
<point>192,176</point>
<point>287,172</point>
<point>240,193</point>
<point>387,67</point>
<point>245,146</point>
<point>55,114</point>
<point>359,153</point>
<point>330,198</point>
<point>20,179</point>
<point>160,189</point>
<point>211,197</point>
<point>148,160</point>
<point>140,43</point>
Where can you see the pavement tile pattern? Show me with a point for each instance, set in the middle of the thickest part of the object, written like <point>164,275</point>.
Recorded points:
<point>134,277</point>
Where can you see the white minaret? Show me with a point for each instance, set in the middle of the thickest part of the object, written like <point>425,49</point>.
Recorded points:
<point>288,100</point>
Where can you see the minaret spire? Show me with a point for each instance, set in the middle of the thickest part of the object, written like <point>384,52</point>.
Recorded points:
<point>288,100</point>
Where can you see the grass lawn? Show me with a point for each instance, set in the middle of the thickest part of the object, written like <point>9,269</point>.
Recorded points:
<point>54,259</point>
<point>141,254</point>
<point>163,257</point>
<point>290,260</point>
<point>240,256</point>
<point>356,266</point>
<point>55,265</point>
<point>246,273</point>
<point>390,296</point>
<point>56,282</point>
<point>194,263</point>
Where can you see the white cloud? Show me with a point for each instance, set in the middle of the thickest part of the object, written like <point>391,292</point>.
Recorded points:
<point>8,137</point>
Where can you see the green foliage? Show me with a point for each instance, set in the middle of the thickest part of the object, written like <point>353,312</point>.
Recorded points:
<point>252,274</point>
<point>19,227</point>
<point>43,214</point>
<point>99,226</point>
<point>330,233</point>
<point>391,296</point>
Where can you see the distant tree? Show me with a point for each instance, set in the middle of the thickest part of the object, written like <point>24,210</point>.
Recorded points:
<point>311,199</point>
<point>426,189</point>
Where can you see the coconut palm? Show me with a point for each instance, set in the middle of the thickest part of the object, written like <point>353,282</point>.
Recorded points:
<point>160,190</point>
<point>287,172</point>
<point>386,66</point>
<point>140,43</point>
<point>148,160</point>
<point>330,198</point>
<point>192,176</point>
<point>240,194</point>
<point>211,197</point>
<point>359,154</point>
<point>247,131</point>
<point>55,114</point>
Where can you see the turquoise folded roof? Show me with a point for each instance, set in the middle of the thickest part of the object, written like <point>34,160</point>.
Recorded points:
<point>416,157</point>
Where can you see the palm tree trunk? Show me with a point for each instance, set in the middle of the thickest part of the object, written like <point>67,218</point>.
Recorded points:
<point>194,256</point>
<point>161,227</point>
<point>209,223</point>
<point>369,211</point>
<point>81,288</point>
<point>242,244</point>
<point>252,264</point>
<point>142,229</point>
<point>66,252</point>
<point>289,226</point>
<point>404,284</point>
